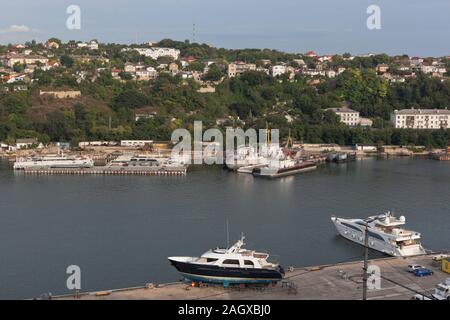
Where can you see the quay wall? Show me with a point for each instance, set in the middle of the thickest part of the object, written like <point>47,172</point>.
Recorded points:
<point>340,281</point>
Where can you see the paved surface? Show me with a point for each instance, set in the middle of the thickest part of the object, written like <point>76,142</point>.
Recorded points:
<point>337,282</point>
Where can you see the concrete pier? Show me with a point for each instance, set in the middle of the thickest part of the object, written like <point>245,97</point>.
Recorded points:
<point>336,282</point>
<point>139,171</point>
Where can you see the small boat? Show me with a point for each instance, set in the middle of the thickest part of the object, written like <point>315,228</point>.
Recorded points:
<point>234,265</point>
<point>385,234</point>
<point>341,157</point>
<point>332,157</point>
<point>282,168</point>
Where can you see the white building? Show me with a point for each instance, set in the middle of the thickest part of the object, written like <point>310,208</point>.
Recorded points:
<point>93,45</point>
<point>27,143</point>
<point>348,116</point>
<point>11,60</point>
<point>135,143</point>
<point>84,144</point>
<point>238,68</point>
<point>157,52</point>
<point>278,70</point>
<point>4,147</point>
<point>421,118</point>
<point>365,122</point>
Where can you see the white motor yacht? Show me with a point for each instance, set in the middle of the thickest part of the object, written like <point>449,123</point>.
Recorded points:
<point>385,234</point>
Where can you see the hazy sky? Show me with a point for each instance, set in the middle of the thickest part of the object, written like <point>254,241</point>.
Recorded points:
<point>414,27</point>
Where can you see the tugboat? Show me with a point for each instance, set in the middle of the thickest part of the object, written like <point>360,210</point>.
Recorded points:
<point>385,234</point>
<point>234,265</point>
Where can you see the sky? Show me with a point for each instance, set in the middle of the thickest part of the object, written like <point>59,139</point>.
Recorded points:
<point>413,27</point>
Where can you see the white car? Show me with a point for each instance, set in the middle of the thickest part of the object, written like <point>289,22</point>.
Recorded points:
<point>413,267</point>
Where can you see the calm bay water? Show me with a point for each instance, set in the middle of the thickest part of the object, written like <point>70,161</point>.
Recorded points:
<point>120,230</point>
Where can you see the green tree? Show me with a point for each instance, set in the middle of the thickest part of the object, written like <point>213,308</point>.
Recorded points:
<point>66,61</point>
<point>213,74</point>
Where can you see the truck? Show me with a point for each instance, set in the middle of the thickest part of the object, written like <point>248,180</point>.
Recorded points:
<point>446,265</point>
<point>442,291</point>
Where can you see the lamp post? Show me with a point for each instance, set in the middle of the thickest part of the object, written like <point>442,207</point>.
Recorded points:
<point>366,257</point>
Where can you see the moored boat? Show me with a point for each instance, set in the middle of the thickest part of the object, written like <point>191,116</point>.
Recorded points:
<point>245,157</point>
<point>384,234</point>
<point>282,168</point>
<point>234,265</point>
<point>53,162</point>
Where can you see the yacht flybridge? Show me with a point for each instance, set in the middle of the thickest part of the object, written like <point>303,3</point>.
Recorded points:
<point>385,234</point>
<point>234,265</point>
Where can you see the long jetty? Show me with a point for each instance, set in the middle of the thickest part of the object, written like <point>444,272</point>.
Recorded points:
<point>137,171</point>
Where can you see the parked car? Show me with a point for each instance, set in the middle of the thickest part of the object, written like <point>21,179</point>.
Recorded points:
<point>412,267</point>
<point>423,272</point>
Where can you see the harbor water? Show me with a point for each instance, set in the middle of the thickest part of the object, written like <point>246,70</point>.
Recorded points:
<point>120,229</point>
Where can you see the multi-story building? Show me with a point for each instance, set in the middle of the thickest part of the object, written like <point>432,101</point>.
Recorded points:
<point>157,52</point>
<point>24,59</point>
<point>238,68</point>
<point>278,70</point>
<point>421,118</point>
<point>129,67</point>
<point>348,116</point>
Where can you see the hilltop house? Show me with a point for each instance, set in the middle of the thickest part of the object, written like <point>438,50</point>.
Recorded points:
<point>237,68</point>
<point>145,113</point>
<point>382,68</point>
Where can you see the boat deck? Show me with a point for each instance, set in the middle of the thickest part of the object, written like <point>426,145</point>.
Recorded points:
<point>337,282</point>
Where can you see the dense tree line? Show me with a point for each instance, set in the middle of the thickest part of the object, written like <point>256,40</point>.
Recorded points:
<point>106,111</point>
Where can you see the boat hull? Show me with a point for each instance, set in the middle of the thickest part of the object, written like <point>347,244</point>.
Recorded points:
<point>278,173</point>
<point>225,275</point>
